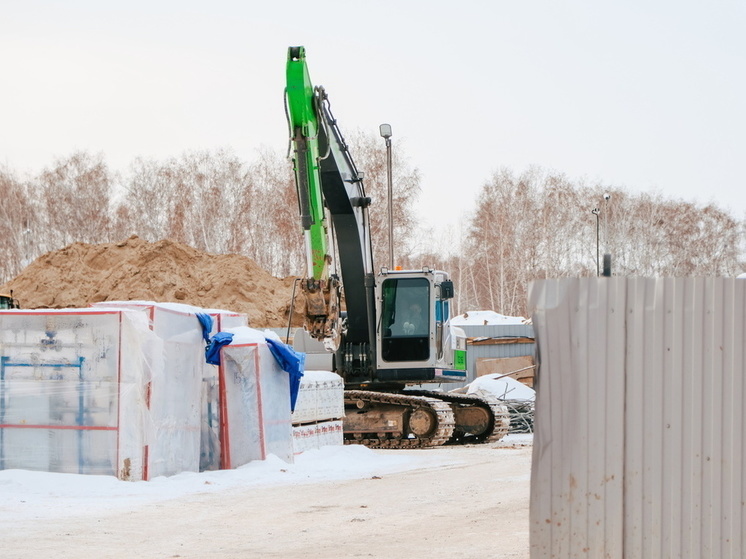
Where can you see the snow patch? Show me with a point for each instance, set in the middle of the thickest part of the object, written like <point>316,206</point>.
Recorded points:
<point>502,387</point>
<point>486,318</point>
<point>28,495</point>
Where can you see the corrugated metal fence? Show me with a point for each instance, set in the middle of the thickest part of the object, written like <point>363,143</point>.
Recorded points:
<point>639,446</point>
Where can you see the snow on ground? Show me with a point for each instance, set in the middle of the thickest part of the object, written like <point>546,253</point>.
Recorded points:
<point>26,495</point>
<point>483,318</point>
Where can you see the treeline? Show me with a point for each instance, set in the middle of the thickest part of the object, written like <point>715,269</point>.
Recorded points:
<point>538,224</point>
<point>211,200</point>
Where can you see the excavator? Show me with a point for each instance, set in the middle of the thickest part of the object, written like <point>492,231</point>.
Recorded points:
<point>7,301</point>
<point>388,331</point>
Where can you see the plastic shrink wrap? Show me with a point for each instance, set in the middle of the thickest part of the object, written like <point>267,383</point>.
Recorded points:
<point>75,391</point>
<point>254,405</point>
<point>183,351</point>
<point>123,389</point>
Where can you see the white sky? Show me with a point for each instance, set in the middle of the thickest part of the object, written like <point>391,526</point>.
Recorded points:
<point>650,96</point>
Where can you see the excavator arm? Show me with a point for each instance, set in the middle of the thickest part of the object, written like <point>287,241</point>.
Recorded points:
<point>333,209</point>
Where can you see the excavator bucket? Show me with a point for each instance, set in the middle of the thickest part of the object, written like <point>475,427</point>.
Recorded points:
<point>322,311</point>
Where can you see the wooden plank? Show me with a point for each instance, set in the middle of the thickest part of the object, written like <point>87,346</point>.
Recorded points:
<point>520,368</point>
<point>499,341</point>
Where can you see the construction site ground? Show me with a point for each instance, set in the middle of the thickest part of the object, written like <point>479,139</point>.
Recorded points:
<point>475,507</point>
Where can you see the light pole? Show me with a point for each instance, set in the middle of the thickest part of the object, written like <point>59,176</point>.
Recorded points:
<point>606,222</point>
<point>596,211</point>
<point>386,134</point>
<point>607,250</point>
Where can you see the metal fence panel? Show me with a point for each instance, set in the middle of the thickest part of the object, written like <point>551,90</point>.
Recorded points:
<point>577,466</point>
<point>638,445</point>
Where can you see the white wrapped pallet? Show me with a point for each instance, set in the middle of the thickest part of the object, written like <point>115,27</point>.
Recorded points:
<point>177,323</point>
<point>185,372</point>
<point>306,407</point>
<point>74,391</point>
<point>254,404</point>
<point>330,396</point>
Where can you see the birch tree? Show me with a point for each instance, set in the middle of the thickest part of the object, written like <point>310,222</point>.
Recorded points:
<point>76,193</point>
<point>17,216</point>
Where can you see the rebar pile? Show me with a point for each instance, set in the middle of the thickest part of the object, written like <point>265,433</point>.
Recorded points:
<point>521,415</point>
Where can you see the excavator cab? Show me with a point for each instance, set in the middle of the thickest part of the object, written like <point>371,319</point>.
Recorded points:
<point>406,320</point>
<point>8,302</point>
<point>415,343</point>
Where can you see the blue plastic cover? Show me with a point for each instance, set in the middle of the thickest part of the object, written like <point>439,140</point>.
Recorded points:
<point>291,361</point>
<point>212,352</point>
<point>205,320</point>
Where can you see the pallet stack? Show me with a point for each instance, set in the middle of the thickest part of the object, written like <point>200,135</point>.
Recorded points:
<point>123,389</point>
<point>317,419</point>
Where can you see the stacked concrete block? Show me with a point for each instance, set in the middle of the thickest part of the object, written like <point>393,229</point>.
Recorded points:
<point>321,397</point>
<point>315,435</point>
<point>317,419</point>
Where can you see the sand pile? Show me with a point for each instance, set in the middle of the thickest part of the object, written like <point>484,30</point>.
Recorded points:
<point>166,271</point>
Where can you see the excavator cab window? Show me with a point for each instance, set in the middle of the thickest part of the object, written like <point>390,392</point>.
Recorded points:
<point>406,319</point>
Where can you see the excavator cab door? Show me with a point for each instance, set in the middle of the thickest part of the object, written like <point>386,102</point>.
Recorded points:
<point>406,320</point>
<point>414,341</point>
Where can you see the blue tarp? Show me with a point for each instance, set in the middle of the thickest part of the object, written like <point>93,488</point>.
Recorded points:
<point>212,352</point>
<point>292,362</point>
<point>205,320</point>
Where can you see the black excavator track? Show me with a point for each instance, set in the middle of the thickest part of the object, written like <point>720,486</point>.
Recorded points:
<point>448,418</point>
<point>496,426</point>
<point>413,421</point>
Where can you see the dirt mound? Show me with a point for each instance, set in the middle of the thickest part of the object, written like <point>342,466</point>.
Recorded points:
<point>166,271</point>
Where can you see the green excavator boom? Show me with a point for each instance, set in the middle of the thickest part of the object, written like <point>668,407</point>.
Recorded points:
<point>304,128</point>
<point>305,119</point>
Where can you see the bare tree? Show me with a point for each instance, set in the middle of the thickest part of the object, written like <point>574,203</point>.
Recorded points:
<point>17,213</point>
<point>276,237</point>
<point>534,225</point>
<point>76,193</point>
<point>540,225</point>
<point>200,198</point>
<point>517,235</point>
<point>207,188</point>
<point>149,199</point>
